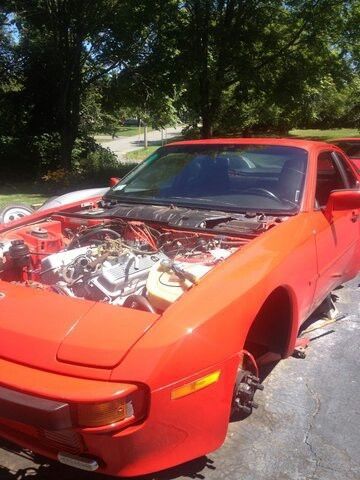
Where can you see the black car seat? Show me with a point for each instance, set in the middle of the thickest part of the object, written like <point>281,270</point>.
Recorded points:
<point>291,180</point>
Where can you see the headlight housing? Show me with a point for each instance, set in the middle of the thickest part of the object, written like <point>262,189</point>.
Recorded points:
<point>123,410</point>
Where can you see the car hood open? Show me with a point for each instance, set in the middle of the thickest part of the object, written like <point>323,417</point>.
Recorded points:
<point>42,329</point>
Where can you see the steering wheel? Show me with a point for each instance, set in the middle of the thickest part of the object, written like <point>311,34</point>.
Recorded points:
<point>267,193</point>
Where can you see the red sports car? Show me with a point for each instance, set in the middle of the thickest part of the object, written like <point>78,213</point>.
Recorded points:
<point>351,146</point>
<point>133,326</point>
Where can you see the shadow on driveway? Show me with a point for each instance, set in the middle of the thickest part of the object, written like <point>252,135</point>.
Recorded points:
<point>44,469</point>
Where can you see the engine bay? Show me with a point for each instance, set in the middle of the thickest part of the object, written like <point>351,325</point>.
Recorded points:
<point>131,263</point>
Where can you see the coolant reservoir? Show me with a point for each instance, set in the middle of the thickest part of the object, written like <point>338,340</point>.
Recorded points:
<point>165,287</point>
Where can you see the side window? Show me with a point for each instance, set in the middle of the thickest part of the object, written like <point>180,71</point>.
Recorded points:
<point>348,172</point>
<point>328,178</point>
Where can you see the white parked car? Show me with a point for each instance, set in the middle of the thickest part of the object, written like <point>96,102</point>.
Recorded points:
<point>14,211</point>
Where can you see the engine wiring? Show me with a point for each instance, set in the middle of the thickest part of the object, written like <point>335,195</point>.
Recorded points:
<point>114,259</point>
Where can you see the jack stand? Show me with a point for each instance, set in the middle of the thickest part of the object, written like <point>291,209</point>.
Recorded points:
<point>331,309</point>
<point>300,347</point>
<point>330,315</point>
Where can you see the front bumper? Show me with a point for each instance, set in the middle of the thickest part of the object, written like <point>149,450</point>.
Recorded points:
<point>173,432</point>
<point>39,412</point>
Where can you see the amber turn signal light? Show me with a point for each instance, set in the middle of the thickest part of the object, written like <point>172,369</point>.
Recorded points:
<point>102,414</point>
<point>195,386</point>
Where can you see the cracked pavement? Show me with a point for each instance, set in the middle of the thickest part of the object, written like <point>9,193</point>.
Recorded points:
<point>307,440</point>
<point>307,426</point>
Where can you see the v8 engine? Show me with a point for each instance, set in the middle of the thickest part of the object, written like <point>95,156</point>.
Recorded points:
<point>119,262</point>
<point>110,272</point>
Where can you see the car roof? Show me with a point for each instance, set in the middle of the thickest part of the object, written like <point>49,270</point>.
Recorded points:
<point>286,142</point>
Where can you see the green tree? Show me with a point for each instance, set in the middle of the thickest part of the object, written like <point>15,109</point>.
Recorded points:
<point>350,43</point>
<point>231,64</point>
<point>69,68</point>
<point>67,47</point>
<point>260,53</point>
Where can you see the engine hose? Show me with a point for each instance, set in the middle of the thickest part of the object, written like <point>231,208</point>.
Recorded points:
<point>139,301</point>
<point>76,242</point>
<point>252,360</point>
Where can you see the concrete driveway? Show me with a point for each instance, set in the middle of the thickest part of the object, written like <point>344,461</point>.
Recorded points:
<point>123,145</point>
<point>306,428</point>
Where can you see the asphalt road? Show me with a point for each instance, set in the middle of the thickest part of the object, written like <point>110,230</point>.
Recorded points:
<point>306,428</point>
<point>123,145</point>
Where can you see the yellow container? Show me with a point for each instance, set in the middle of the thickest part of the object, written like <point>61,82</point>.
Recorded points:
<point>164,287</point>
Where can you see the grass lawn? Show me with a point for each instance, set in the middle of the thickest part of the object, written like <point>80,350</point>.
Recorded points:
<point>139,155</point>
<point>30,198</point>
<point>325,134</point>
<point>22,193</point>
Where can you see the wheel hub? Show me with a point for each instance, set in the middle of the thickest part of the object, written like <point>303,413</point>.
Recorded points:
<point>245,388</point>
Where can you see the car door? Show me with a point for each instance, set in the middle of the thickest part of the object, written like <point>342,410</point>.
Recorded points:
<point>337,242</point>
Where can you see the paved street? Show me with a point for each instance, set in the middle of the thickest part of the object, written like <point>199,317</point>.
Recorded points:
<point>306,428</point>
<point>123,145</point>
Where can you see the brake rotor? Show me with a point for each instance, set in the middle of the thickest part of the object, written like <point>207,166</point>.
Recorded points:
<point>246,385</point>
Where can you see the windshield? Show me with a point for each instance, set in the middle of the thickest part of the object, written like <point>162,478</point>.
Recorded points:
<point>352,149</point>
<point>236,178</point>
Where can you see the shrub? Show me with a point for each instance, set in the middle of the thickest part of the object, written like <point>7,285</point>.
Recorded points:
<point>36,158</point>
<point>17,160</point>
<point>93,166</point>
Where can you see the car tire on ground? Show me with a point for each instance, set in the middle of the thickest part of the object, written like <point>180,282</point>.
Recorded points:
<point>14,211</point>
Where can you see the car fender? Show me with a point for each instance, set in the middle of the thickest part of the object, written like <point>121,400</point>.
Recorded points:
<point>206,330</point>
<point>214,317</point>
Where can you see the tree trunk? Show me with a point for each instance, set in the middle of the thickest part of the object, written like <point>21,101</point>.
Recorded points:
<point>69,123</point>
<point>203,23</point>
<point>70,97</point>
<point>67,141</point>
<point>207,126</point>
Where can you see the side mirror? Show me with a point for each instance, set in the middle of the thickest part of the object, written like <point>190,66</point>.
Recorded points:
<point>342,200</point>
<point>114,181</point>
